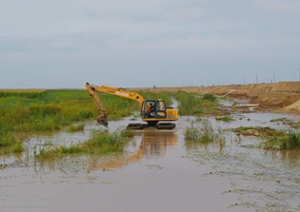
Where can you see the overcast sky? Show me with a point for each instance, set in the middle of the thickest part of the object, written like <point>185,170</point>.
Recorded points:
<point>135,43</point>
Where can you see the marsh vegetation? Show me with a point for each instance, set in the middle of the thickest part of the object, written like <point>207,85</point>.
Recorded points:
<point>202,132</point>
<point>272,138</point>
<point>196,104</point>
<point>254,168</point>
<point>23,113</point>
<point>102,142</point>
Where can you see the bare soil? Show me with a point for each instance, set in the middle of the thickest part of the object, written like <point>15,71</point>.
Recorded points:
<point>276,97</point>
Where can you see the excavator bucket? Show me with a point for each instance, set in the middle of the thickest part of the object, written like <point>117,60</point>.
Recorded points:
<point>102,119</point>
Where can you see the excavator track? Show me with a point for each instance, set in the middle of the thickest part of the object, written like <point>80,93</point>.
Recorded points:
<point>137,126</point>
<point>160,126</point>
<point>165,126</point>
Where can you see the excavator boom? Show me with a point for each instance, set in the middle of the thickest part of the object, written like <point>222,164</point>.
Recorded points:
<point>121,93</point>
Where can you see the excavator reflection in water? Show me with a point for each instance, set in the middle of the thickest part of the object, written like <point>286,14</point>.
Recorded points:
<point>154,143</point>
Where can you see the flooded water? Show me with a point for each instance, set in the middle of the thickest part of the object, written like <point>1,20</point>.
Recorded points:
<point>159,172</point>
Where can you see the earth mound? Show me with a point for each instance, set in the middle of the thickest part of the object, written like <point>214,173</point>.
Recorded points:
<point>280,97</point>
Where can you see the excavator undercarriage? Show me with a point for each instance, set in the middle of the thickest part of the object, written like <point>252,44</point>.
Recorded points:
<point>141,126</point>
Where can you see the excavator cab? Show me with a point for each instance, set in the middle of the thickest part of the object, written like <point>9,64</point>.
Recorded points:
<point>153,109</point>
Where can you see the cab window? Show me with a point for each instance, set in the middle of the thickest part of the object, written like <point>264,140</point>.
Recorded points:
<point>161,106</point>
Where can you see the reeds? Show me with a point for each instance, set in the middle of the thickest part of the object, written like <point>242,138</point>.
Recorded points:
<point>291,140</point>
<point>202,132</point>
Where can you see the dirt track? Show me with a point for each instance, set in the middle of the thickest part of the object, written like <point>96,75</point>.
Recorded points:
<point>279,97</point>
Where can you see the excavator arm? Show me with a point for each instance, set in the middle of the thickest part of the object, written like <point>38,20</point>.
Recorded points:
<point>121,93</point>
<point>102,118</point>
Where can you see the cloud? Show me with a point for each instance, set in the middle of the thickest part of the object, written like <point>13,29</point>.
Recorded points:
<point>279,6</point>
<point>140,36</point>
<point>136,10</point>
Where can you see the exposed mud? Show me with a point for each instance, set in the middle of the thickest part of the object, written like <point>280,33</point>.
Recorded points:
<point>159,172</point>
<point>279,97</point>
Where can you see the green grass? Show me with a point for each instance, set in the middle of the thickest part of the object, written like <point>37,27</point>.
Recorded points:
<point>76,128</point>
<point>209,97</point>
<point>201,132</point>
<point>18,147</point>
<point>196,104</point>
<point>26,94</point>
<point>11,143</point>
<point>25,113</point>
<point>101,142</point>
<point>293,124</point>
<point>291,141</point>
<point>275,139</point>
<point>227,119</point>
<point>166,96</point>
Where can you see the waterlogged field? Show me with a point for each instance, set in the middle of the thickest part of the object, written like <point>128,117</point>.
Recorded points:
<point>24,112</point>
<point>218,158</point>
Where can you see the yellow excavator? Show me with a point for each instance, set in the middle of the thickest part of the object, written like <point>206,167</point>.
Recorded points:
<point>153,111</point>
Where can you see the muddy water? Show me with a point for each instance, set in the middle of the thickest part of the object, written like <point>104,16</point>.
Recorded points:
<point>159,172</point>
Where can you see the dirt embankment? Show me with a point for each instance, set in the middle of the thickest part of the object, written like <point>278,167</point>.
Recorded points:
<point>281,96</point>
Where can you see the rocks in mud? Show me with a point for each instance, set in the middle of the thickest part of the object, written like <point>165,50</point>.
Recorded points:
<point>250,132</point>
<point>16,163</point>
<point>247,132</point>
<point>219,118</point>
<point>3,166</point>
<point>224,109</point>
